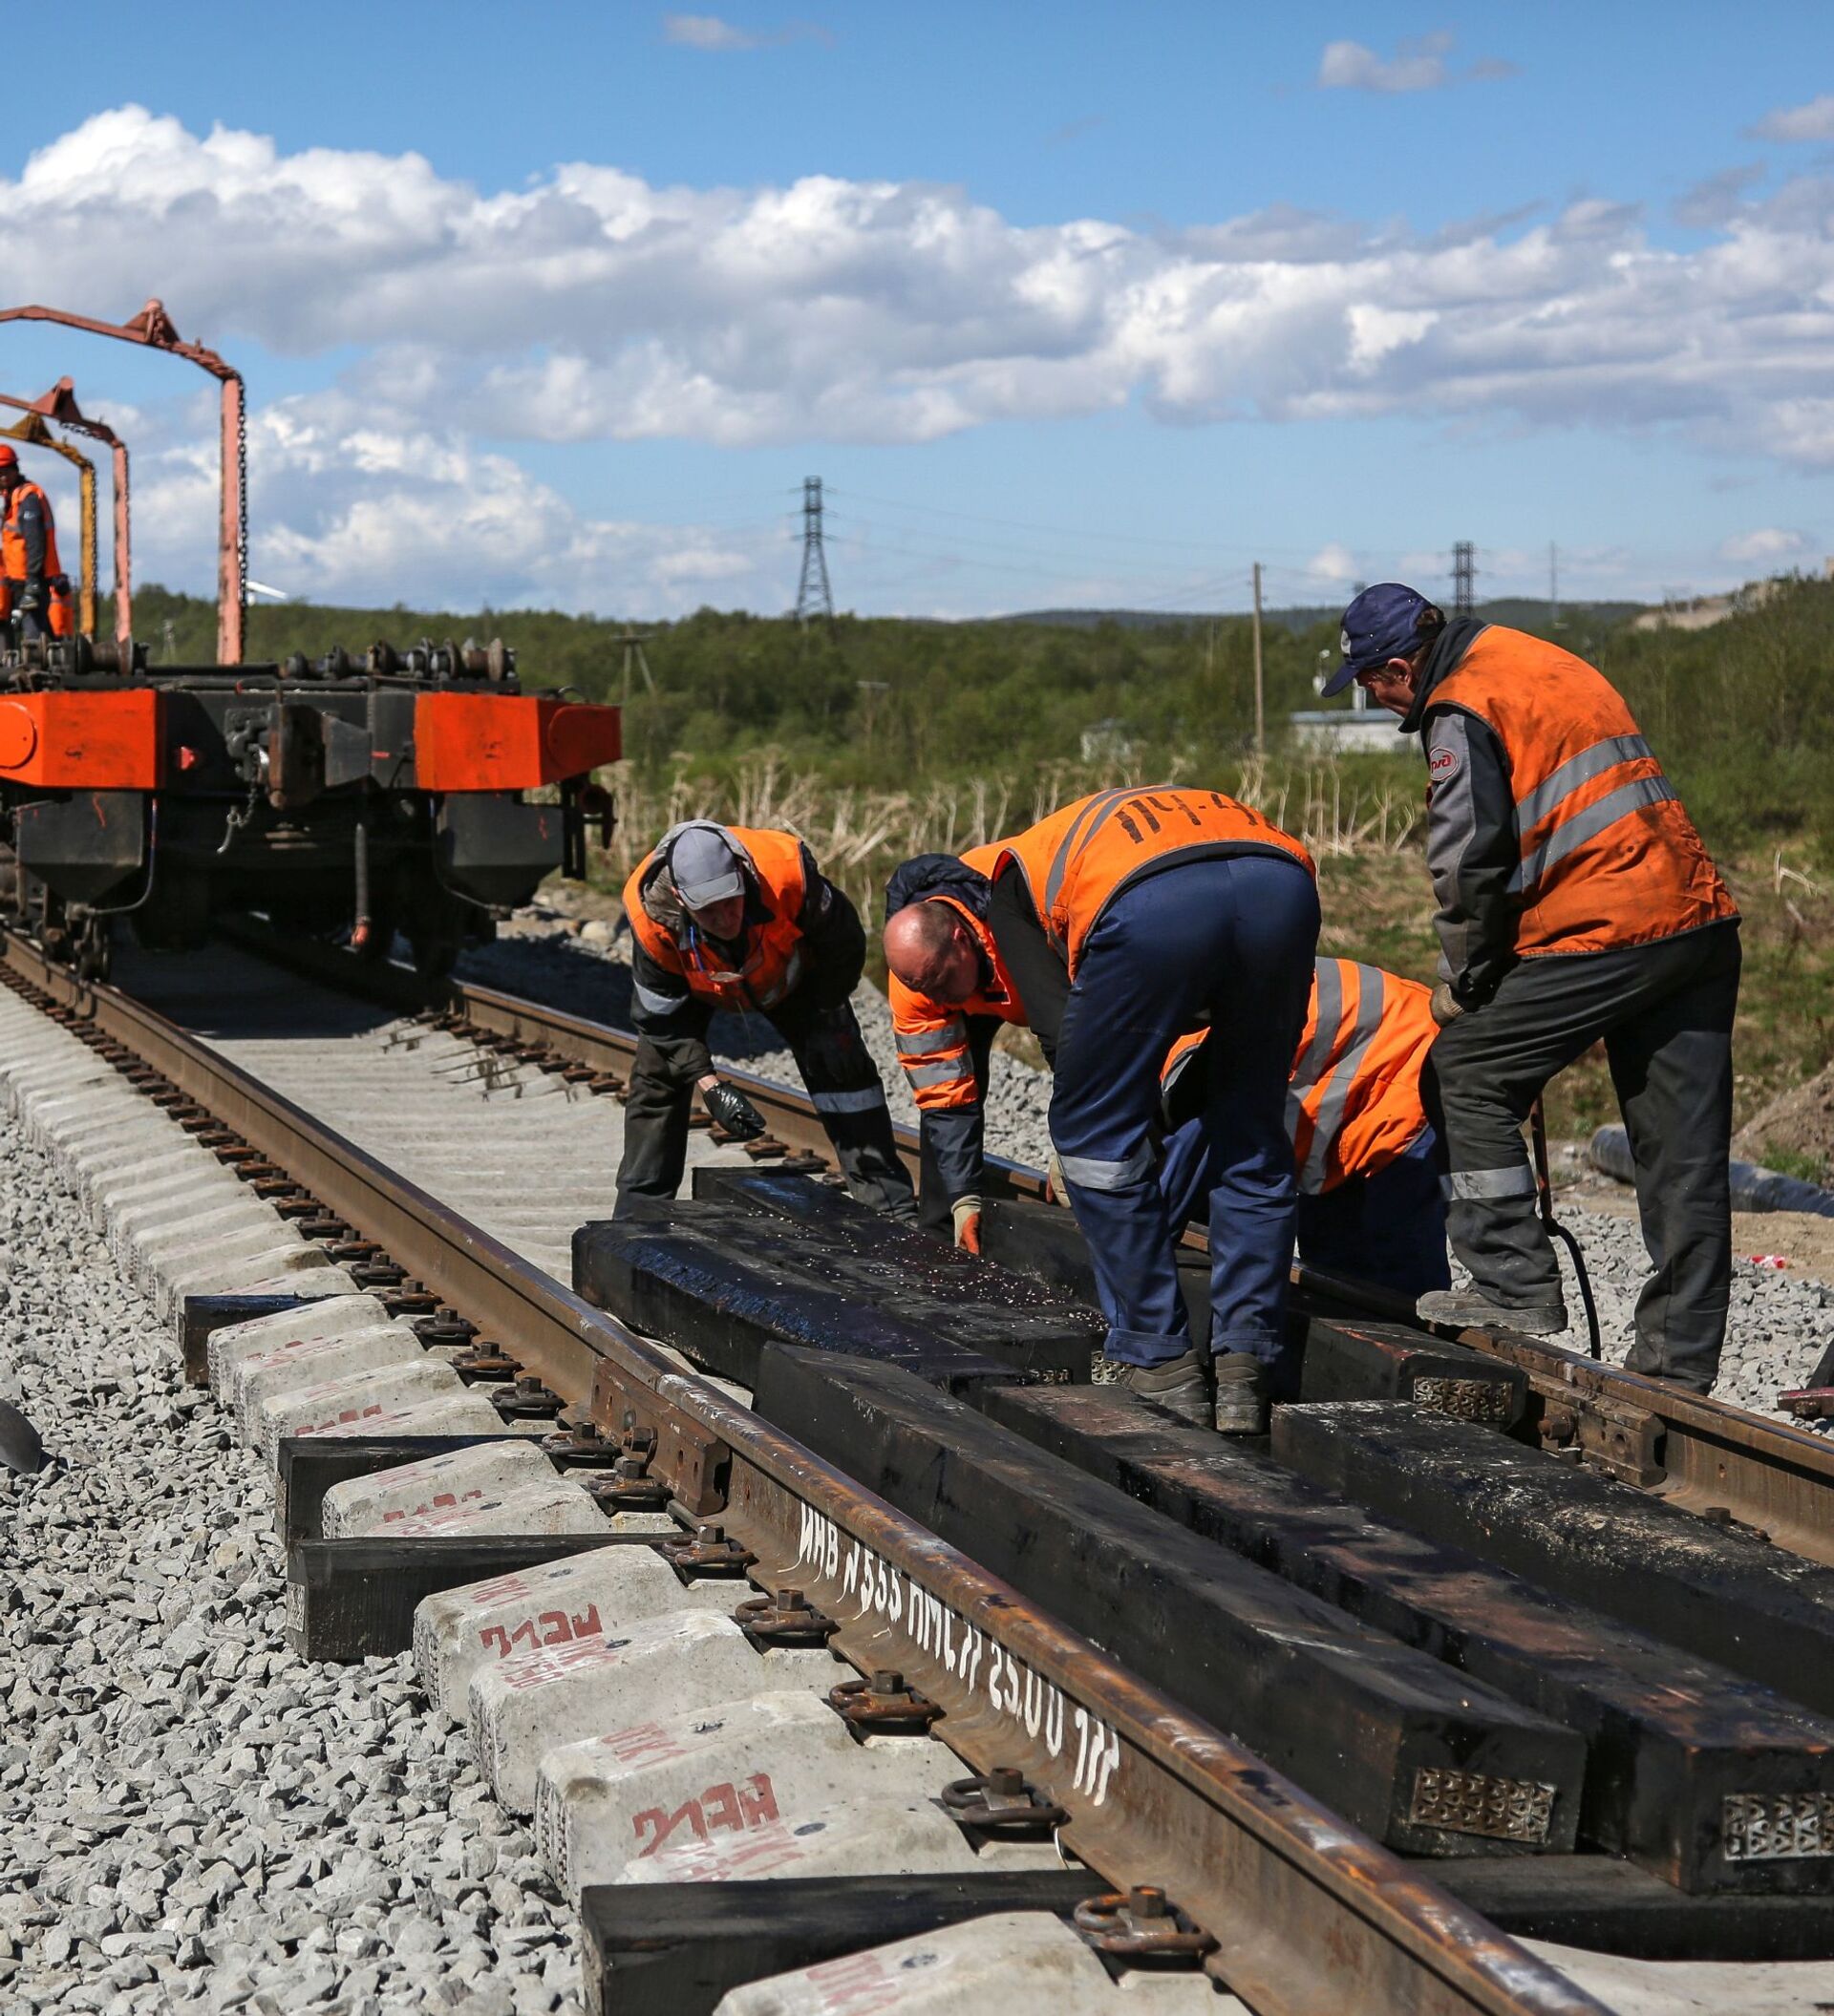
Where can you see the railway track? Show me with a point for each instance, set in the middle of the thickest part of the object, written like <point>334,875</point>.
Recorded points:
<point>1298,1910</point>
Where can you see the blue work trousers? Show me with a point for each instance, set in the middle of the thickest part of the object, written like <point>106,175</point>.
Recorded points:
<point>1387,1229</point>
<point>1229,940</point>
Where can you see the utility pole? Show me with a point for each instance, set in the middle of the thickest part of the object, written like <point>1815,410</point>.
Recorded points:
<point>1465,600</point>
<point>813,595</point>
<point>1553,585</point>
<point>632,642</point>
<point>1259,699</point>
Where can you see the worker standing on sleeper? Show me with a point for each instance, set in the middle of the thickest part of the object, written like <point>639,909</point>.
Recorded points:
<point>1576,904</point>
<point>737,917</point>
<point>1125,921</point>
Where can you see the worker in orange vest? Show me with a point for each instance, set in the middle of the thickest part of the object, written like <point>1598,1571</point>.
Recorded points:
<point>1368,1163</point>
<point>28,562</point>
<point>1576,904</point>
<point>1125,920</point>
<point>740,919</point>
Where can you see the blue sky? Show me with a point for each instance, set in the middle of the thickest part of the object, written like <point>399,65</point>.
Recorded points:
<point>1067,304</point>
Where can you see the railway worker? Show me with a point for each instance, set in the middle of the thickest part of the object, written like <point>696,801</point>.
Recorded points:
<point>1125,920</point>
<point>28,562</point>
<point>1367,1158</point>
<point>729,917</point>
<point>1576,904</point>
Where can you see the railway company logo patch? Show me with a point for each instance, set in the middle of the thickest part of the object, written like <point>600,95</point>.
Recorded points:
<point>1443,765</point>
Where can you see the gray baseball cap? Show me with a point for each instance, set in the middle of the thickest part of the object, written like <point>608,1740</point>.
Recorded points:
<point>703,864</point>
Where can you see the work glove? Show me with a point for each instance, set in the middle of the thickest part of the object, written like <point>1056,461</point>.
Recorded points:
<point>967,1213</point>
<point>1446,1005</point>
<point>1055,1190</point>
<point>32,596</point>
<point>733,1112</point>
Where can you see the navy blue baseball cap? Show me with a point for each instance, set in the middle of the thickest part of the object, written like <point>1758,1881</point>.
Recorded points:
<point>1381,624</point>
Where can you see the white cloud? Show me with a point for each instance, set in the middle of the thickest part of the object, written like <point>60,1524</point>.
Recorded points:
<point>1768,546</point>
<point>715,36</point>
<point>1333,563</point>
<point>1419,64</point>
<point>1813,122</point>
<point>593,306</point>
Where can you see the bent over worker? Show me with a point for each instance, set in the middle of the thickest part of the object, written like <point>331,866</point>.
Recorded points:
<point>28,563</point>
<point>1576,904</point>
<point>739,917</point>
<point>1125,920</point>
<point>1366,1156</point>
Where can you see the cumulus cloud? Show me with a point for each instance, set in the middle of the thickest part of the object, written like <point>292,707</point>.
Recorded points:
<point>715,36</point>
<point>1767,546</point>
<point>591,305</point>
<point>1419,64</point>
<point>1813,122</point>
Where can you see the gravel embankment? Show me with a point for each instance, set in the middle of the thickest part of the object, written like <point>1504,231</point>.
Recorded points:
<point>190,1815</point>
<point>1781,1323</point>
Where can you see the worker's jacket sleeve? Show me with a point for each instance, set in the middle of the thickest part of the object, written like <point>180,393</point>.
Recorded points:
<point>1041,979</point>
<point>674,1021</point>
<point>31,532</point>
<point>1472,850</point>
<point>834,941</point>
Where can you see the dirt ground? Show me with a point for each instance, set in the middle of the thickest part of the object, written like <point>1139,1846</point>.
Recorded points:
<point>1804,1241</point>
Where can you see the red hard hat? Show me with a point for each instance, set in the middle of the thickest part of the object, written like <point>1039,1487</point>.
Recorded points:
<point>8,457</point>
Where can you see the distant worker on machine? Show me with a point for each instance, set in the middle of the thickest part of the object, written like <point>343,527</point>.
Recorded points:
<point>1118,924</point>
<point>1576,904</point>
<point>737,917</point>
<point>30,573</point>
<point>1367,1163</point>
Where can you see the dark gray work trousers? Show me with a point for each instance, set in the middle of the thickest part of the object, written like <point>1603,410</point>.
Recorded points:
<point>1664,1014</point>
<point>843,1080</point>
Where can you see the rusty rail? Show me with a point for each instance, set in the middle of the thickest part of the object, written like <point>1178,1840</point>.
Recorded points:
<point>1699,1452</point>
<point>1311,1918</point>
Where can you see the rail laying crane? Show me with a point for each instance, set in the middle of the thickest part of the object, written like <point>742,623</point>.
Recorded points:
<point>363,794</point>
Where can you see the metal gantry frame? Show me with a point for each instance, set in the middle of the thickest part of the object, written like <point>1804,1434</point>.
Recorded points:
<point>152,329</point>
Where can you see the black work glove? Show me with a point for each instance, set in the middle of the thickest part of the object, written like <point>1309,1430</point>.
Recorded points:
<point>733,1112</point>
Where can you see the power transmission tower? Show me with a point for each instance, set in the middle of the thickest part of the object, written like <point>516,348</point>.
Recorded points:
<point>1464,571</point>
<point>632,641</point>
<point>813,595</point>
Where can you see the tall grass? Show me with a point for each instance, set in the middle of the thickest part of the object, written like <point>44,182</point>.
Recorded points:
<point>859,835</point>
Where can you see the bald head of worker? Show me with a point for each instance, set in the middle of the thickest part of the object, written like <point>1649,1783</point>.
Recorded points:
<point>932,952</point>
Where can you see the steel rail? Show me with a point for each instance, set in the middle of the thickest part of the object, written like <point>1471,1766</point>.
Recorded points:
<point>1699,1452</point>
<point>1311,1918</point>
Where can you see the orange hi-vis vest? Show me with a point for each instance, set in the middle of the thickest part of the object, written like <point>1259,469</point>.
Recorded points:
<point>13,541</point>
<point>772,964</point>
<point>1354,1099</point>
<point>1077,862</point>
<point>932,1035</point>
<point>61,613</point>
<point>1609,855</point>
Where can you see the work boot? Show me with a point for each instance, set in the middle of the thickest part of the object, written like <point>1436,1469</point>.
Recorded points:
<point>1177,1384</point>
<point>1467,1309</point>
<point>1241,1398</point>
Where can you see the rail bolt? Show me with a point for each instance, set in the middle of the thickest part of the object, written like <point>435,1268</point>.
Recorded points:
<point>485,1361</point>
<point>629,1487</point>
<point>883,1705</point>
<point>1142,1926</point>
<point>527,1400</point>
<point>580,1442</point>
<point>1002,1801</point>
<point>706,1551</point>
<point>786,1618</point>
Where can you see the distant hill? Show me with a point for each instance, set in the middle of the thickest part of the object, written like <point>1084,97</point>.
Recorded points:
<point>1521,611</point>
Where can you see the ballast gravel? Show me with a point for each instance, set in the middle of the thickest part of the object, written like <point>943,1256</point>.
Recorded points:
<point>191,1816</point>
<point>1781,1324</point>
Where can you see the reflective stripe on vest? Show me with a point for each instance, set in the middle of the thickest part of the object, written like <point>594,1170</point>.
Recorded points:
<point>1354,1102</point>
<point>950,1071</point>
<point>1607,855</point>
<point>926,1042</point>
